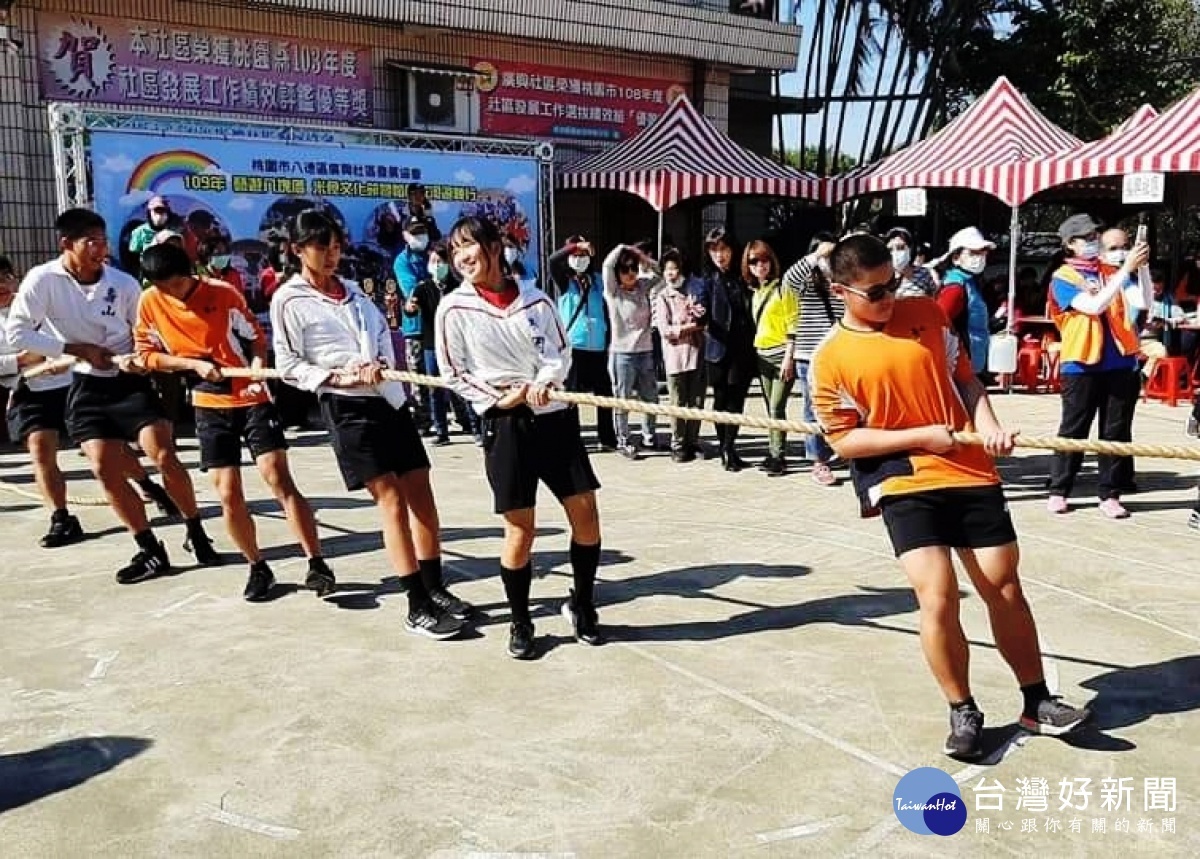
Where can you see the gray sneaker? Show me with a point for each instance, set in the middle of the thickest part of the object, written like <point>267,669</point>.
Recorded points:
<point>1193,426</point>
<point>1054,717</point>
<point>966,735</point>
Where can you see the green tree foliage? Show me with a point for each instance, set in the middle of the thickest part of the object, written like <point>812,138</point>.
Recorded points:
<point>811,160</point>
<point>1088,64</point>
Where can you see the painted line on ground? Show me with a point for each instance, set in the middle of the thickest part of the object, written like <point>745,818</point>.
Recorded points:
<point>801,831</point>
<point>102,663</point>
<point>259,827</point>
<point>183,603</point>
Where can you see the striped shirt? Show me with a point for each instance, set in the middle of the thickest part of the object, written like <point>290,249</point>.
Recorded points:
<point>820,309</point>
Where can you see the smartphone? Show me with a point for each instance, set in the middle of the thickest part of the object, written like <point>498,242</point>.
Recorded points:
<point>1143,233</point>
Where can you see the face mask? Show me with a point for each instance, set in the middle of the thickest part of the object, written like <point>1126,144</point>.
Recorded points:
<point>972,263</point>
<point>221,262</point>
<point>439,270</point>
<point>511,255</point>
<point>1090,250</point>
<point>901,259</point>
<point>580,263</point>
<point>1116,257</point>
<point>418,243</point>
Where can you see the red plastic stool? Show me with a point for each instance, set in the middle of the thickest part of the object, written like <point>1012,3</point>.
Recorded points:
<point>1029,366</point>
<point>1168,381</point>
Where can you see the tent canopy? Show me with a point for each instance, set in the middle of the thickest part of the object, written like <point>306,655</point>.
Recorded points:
<point>1052,173</point>
<point>682,156</point>
<point>1168,144</point>
<point>986,148</point>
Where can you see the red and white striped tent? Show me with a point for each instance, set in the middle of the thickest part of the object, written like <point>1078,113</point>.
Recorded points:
<point>1145,113</point>
<point>1057,170</point>
<point>682,156</point>
<point>1168,144</point>
<point>987,147</point>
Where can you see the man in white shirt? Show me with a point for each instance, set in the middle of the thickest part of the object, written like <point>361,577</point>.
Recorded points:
<point>77,305</point>
<point>502,346</point>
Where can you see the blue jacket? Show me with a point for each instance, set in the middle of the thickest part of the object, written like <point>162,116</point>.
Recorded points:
<point>972,324</point>
<point>729,330</point>
<point>589,330</point>
<point>411,267</point>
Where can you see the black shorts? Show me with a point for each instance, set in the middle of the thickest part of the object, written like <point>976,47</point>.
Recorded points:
<point>521,448</point>
<point>111,409</point>
<point>972,517</point>
<point>36,411</point>
<point>371,439</point>
<point>221,433</point>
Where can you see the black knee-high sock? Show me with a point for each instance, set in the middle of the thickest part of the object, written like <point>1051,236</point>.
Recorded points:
<point>584,561</point>
<point>415,590</point>
<point>516,587</point>
<point>431,574</point>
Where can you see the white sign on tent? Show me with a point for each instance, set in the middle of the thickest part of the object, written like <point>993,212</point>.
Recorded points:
<point>1138,188</point>
<point>911,203</point>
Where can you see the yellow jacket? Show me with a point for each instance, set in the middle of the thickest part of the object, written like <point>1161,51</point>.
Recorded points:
<point>775,309</point>
<point>1083,335</point>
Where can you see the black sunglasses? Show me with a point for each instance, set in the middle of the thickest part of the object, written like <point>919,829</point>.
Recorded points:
<point>878,292</point>
<point>758,260</point>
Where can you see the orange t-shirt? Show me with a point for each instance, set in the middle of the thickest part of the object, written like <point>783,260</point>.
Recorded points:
<point>902,377</point>
<point>212,324</point>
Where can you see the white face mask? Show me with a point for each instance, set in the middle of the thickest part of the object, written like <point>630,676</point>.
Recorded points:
<point>972,263</point>
<point>580,263</point>
<point>511,254</point>
<point>901,259</point>
<point>418,243</point>
<point>1090,250</point>
<point>1116,257</point>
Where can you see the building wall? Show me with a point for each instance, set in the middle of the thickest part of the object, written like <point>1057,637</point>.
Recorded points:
<point>27,182</point>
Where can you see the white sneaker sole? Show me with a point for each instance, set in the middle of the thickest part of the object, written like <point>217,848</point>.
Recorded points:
<point>429,633</point>
<point>1051,730</point>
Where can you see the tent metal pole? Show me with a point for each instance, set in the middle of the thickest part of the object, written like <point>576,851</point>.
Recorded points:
<point>660,233</point>
<point>1014,238</point>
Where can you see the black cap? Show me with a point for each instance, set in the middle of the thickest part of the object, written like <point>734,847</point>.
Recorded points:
<point>416,224</point>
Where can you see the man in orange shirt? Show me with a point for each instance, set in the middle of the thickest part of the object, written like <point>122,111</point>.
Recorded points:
<point>891,384</point>
<point>195,325</point>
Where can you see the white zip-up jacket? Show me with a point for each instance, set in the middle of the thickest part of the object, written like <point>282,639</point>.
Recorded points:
<point>52,309</point>
<point>315,335</point>
<point>483,349</point>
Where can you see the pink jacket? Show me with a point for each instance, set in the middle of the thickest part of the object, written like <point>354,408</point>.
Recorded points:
<point>681,353</point>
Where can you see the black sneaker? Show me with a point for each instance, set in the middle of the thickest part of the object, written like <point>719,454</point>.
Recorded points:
<point>320,579</point>
<point>203,551</point>
<point>431,622</point>
<point>583,622</point>
<point>1193,426</point>
<point>64,531</point>
<point>679,456</point>
<point>1054,717</point>
<point>520,641</point>
<point>777,468</point>
<point>259,585</point>
<point>1194,520</point>
<point>145,565</point>
<point>966,735</point>
<point>450,604</point>
<point>442,440</point>
<point>158,496</point>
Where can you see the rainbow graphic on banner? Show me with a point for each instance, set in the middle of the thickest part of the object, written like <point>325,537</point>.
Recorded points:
<point>161,168</point>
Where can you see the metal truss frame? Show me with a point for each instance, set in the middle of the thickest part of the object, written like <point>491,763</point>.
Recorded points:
<point>72,124</point>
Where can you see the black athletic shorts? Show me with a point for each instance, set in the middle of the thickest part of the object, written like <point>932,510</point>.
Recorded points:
<point>36,411</point>
<point>111,408</point>
<point>371,439</point>
<point>973,517</point>
<point>221,433</point>
<point>521,449</point>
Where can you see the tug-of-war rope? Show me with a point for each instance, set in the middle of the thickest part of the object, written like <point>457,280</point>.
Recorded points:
<point>1051,443</point>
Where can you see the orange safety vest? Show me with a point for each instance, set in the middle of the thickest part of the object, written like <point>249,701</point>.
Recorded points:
<point>1083,335</point>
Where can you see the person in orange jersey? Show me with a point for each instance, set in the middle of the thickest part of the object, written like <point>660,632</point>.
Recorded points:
<point>197,326</point>
<point>891,384</point>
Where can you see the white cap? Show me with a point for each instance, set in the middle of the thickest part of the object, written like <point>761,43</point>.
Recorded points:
<point>970,239</point>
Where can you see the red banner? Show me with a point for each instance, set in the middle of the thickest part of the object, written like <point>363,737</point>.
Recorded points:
<point>530,100</point>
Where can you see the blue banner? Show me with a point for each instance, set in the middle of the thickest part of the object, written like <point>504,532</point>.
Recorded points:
<point>248,190</point>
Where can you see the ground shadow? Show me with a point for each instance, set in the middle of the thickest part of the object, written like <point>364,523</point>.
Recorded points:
<point>853,609</point>
<point>26,777</point>
<point>1130,696</point>
<point>1028,478</point>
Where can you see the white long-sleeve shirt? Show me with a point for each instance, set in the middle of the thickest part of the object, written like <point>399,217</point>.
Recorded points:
<point>53,309</point>
<point>314,335</point>
<point>483,349</point>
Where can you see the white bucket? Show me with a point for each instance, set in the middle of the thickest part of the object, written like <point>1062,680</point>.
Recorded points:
<point>1002,353</point>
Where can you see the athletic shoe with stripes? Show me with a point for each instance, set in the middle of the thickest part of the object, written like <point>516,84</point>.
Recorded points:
<point>431,622</point>
<point>1054,717</point>
<point>145,565</point>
